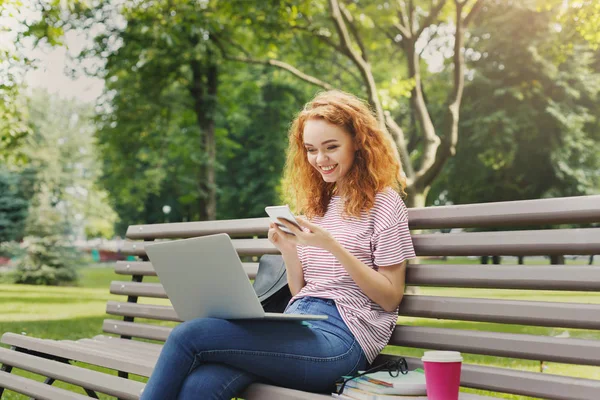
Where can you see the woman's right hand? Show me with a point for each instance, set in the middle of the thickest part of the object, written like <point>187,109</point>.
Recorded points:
<point>280,240</point>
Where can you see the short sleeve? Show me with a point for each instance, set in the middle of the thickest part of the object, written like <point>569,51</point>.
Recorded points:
<point>391,242</point>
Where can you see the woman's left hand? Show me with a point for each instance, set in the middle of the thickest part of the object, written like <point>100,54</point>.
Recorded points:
<point>314,235</point>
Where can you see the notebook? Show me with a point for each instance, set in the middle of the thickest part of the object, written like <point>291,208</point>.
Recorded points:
<point>382,383</point>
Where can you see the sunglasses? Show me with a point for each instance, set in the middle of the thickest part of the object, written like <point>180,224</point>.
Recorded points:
<point>393,367</point>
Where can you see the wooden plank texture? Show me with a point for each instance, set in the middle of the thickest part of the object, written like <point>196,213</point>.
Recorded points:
<point>516,243</point>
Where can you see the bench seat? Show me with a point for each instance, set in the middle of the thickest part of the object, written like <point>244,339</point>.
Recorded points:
<point>109,352</point>
<point>108,357</point>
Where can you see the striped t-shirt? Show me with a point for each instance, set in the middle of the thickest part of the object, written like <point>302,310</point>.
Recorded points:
<point>378,238</point>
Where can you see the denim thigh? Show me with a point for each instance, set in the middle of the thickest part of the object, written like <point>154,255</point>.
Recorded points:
<point>308,356</point>
<point>301,355</point>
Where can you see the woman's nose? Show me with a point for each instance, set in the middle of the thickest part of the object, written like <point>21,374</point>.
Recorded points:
<point>321,158</point>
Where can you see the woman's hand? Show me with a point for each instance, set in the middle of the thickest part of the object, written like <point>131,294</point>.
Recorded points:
<point>281,240</point>
<point>314,235</point>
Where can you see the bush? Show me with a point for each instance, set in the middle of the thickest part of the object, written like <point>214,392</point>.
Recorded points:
<point>47,261</point>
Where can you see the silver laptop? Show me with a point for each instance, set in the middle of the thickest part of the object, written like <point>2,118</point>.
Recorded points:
<point>204,277</point>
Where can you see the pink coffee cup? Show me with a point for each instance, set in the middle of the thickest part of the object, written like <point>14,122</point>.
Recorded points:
<point>442,374</point>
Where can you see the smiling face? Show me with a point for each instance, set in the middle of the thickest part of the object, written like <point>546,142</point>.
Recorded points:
<point>329,149</point>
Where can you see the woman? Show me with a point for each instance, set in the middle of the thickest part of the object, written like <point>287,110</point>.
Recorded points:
<point>347,262</point>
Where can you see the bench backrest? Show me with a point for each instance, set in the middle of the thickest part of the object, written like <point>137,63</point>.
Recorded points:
<point>476,324</point>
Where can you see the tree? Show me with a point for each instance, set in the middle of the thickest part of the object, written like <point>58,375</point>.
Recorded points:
<point>161,73</point>
<point>165,132</point>
<point>530,127</point>
<point>64,165</point>
<point>60,183</point>
<point>402,25</point>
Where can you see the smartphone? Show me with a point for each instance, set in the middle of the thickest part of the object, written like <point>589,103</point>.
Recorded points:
<point>284,212</point>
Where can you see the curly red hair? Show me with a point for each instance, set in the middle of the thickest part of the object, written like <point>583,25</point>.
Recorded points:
<point>376,166</point>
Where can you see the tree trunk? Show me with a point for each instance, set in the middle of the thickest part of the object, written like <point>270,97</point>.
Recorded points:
<point>416,196</point>
<point>521,260</point>
<point>205,100</point>
<point>202,209</point>
<point>496,260</point>
<point>211,148</point>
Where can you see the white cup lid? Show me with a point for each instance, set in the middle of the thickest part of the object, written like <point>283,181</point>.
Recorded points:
<point>442,356</point>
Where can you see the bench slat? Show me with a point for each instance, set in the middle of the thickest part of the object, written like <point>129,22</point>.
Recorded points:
<point>235,228</point>
<point>133,329</point>
<point>127,345</point>
<point>505,380</point>
<point>567,210</point>
<point>516,243</point>
<point>93,380</point>
<point>244,247</point>
<point>532,313</point>
<point>154,290</point>
<point>145,268</point>
<point>161,313</point>
<point>113,360</point>
<point>534,277</point>
<point>555,211</point>
<point>35,389</point>
<point>134,344</point>
<point>513,345</point>
<point>107,347</point>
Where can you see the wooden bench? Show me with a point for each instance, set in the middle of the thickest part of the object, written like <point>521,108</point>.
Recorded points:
<point>50,358</point>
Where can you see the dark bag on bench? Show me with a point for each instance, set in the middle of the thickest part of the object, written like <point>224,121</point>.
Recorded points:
<point>270,284</point>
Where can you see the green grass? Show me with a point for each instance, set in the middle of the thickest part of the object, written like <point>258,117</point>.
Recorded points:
<point>78,312</point>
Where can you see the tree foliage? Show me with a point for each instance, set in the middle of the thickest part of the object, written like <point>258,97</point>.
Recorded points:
<point>13,206</point>
<point>199,96</point>
<point>530,121</point>
<point>164,131</point>
<point>24,23</point>
<point>63,160</point>
<point>364,39</point>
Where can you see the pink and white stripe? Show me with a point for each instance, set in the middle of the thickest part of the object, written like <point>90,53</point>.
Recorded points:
<point>378,238</point>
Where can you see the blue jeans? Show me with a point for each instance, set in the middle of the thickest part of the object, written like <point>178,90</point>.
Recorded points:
<point>211,358</point>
